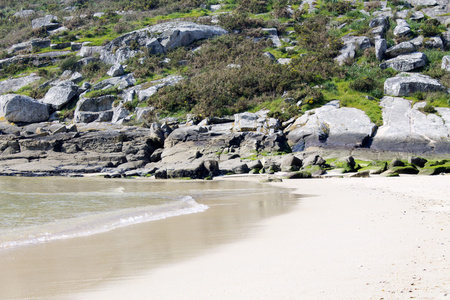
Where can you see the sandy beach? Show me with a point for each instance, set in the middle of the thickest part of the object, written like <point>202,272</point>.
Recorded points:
<point>375,238</point>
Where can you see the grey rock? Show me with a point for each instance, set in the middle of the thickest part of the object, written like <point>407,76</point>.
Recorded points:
<point>351,44</point>
<point>19,108</point>
<point>406,62</point>
<point>446,39</point>
<point>402,28</point>
<point>330,126</point>
<point>60,45</point>
<point>16,84</point>
<point>418,41</point>
<point>26,13</point>
<point>291,163</point>
<point>144,114</point>
<point>255,122</point>
<point>382,21</point>
<point>88,51</point>
<point>34,44</point>
<point>434,42</point>
<point>417,16</point>
<point>119,115</point>
<point>446,63</point>
<point>402,48</point>
<point>76,46</point>
<point>116,70</point>
<point>284,61</point>
<point>272,35</point>
<point>169,35</point>
<point>406,129</point>
<point>156,85</point>
<point>417,161</point>
<point>380,48</point>
<point>94,109</point>
<point>48,22</point>
<point>154,47</point>
<point>406,84</point>
<point>122,82</point>
<point>58,96</point>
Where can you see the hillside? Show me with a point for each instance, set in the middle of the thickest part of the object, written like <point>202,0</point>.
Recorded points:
<point>284,76</point>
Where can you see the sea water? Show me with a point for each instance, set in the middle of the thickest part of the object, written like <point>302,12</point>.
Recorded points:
<point>38,210</point>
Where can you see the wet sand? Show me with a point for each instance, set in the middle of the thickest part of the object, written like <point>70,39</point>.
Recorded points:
<point>59,269</point>
<point>374,238</point>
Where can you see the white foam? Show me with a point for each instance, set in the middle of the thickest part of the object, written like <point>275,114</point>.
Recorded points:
<point>100,223</point>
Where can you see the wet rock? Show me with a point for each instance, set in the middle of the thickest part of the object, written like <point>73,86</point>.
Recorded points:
<point>406,84</point>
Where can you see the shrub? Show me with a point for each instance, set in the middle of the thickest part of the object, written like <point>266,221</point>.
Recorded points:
<point>253,6</point>
<point>69,63</point>
<point>428,109</point>
<point>430,27</point>
<point>365,84</point>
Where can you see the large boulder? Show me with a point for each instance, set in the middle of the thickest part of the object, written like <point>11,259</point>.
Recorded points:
<point>94,109</point>
<point>379,21</point>
<point>157,38</point>
<point>24,13</point>
<point>402,48</point>
<point>434,42</point>
<point>58,96</point>
<point>272,35</point>
<point>19,108</point>
<point>122,82</point>
<point>14,84</point>
<point>331,126</point>
<point>406,129</point>
<point>156,85</point>
<point>351,45</point>
<point>116,70</point>
<point>49,22</point>
<point>406,62</point>
<point>406,84</point>
<point>256,122</point>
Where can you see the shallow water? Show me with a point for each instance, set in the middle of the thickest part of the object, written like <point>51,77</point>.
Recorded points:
<point>135,238</point>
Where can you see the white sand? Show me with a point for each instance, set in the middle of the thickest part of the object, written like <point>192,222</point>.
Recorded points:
<point>356,239</point>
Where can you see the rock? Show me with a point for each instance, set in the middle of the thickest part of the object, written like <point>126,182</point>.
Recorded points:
<point>291,163</point>
<point>405,84</point>
<point>156,85</point>
<point>194,170</point>
<point>58,96</point>
<point>116,70</point>
<point>434,42</point>
<point>351,44</point>
<point>143,114</point>
<point>119,114</point>
<point>406,129</point>
<point>380,48</point>
<point>269,55</point>
<point>88,51</point>
<point>446,39</point>
<point>379,21</point>
<point>445,63</point>
<point>418,41</point>
<point>19,108</point>
<point>396,163</point>
<point>60,45</point>
<point>122,82</point>
<point>76,46</point>
<point>402,48</point>
<point>34,44</point>
<point>256,122</point>
<point>169,35</point>
<point>417,16</point>
<point>331,126</point>
<point>48,22</point>
<point>15,84</point>
<point>215,7</point>
<point>94,109</point>
<point>24,13</point>
<point>313,160</point>
<point>272,35</point>
<point>417,161</point>
<point>402,28</point>
<point>406,62</point>
<point>298,175</point>
<point>284,61</point>
<point>361,174</point>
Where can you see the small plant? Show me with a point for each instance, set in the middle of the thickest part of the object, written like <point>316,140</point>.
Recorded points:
<point>428,109</point>
<point>69,63</point>
<point>365,84</point>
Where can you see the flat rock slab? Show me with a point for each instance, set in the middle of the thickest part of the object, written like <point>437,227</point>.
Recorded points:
<point>406,84</point>
<point>60,95</point>
<point>406,62</point>
<point>16,84</point>
<point>406,129</point>
<point>48,22</point>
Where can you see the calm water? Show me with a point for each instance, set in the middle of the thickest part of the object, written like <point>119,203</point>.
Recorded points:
<point>39,210</point>
<point>61,236</point>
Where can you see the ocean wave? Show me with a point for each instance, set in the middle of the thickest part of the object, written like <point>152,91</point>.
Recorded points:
<point>98,223</point>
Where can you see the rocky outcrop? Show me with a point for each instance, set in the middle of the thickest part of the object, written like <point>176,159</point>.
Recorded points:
<point>406,62</point>
<point>15,84</point>
<point>157,39</point>
<point>156,85</point>
<point>34,44</point>
<point>406,84</point>
<point>351,44</point>
<point>37,60</point>
<point>49,22</point>
<point>407,129</point>
<point>116,70</point>
<point>58,96</point>
<point>331,126</point>
<point>257,122</point>
<point>19,108</point>
<point>121,82</point>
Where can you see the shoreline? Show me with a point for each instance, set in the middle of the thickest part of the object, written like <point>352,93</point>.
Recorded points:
<point>356,238</point>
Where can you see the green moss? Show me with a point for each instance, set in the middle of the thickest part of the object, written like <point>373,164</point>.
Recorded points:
<point>435,170</point>
<point>405,170</point>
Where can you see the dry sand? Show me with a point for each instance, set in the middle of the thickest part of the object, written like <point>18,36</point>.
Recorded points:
<point>375,238</point>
